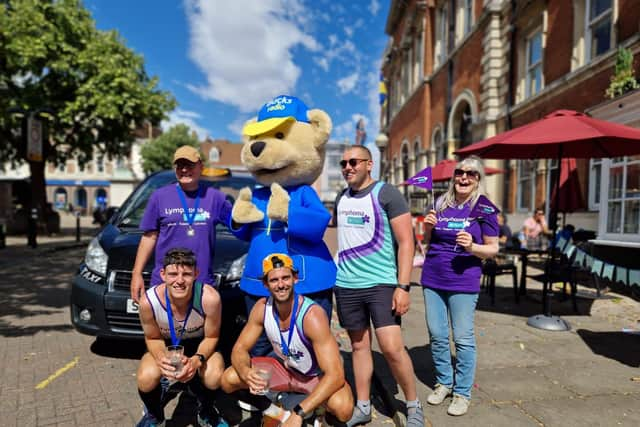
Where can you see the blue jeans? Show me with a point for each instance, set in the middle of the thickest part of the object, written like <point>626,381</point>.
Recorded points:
<point>441,305</point>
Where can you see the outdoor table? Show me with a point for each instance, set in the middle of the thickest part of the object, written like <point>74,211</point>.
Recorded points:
<point>524,254</point>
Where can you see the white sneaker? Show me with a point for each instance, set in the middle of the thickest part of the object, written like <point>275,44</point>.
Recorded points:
<point>459,405</point>
<point>438,395</point>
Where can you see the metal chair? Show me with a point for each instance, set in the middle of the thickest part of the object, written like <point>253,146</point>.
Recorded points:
<point>493,267</point>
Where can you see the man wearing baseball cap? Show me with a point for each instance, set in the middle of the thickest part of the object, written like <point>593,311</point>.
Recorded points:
<point>182,214</point>
<point>307,359</point>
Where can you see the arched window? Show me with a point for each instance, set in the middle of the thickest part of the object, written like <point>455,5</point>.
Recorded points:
<point>214,155</point>
<point>441,146</point>
<point>466,135</point>
<point>60,198</point>
<point>101,197</point>
<point>80,199</point>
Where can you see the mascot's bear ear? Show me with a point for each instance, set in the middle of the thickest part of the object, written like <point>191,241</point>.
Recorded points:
<point>321,123</point>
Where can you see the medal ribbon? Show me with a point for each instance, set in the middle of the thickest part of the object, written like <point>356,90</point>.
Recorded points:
<point>175,340</point>
<point>284,345</point>
<point>190,216</point>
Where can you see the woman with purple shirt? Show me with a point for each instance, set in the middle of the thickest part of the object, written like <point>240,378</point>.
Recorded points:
<point>458,236</point>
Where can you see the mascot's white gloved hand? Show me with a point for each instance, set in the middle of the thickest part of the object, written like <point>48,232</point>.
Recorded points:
<point>278,206</point>
<point>244,211</point>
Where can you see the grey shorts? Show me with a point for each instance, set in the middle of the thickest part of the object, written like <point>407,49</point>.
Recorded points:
<point>357,308</point>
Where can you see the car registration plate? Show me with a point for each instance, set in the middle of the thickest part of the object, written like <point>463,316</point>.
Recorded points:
<point>132,306</point>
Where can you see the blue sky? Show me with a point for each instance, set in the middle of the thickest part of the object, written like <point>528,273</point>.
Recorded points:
<point>223,59</point>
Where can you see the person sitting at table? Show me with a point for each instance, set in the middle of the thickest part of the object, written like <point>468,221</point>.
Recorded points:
<point>534,228</point>
<point>505,238</point>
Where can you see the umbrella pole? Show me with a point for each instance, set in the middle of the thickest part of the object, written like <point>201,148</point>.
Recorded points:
<point>547,321</point>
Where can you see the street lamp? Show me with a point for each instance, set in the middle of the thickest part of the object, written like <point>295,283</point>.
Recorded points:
<point>382,141</point>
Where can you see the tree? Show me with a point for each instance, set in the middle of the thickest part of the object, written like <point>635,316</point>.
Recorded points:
<point>157,154</point>
<point>92,89</point>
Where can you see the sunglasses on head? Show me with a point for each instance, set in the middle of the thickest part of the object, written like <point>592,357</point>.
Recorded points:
<point>461,172</point>
<point>351,162</point>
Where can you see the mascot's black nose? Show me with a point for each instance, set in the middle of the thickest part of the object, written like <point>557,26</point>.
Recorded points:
<point>257,147</point>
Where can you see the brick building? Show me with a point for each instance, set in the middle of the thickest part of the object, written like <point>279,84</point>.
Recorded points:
<point>459,71</point>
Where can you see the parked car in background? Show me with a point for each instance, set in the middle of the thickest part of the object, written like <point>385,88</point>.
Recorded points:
<point>101,303</point>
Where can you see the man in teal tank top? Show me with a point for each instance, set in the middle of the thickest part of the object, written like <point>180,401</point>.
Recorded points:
<point>370,288</point>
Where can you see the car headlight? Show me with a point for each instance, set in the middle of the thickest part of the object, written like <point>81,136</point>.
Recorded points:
<point>236,269</point>
<point>96,258</point>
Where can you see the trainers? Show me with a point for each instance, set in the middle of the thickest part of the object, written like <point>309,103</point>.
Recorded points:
<point>211,419</point>
<point>358,418</point>
<point>438,395</point>
<point>459,405</point>
<point>149,420</point>
<point>415,416</point>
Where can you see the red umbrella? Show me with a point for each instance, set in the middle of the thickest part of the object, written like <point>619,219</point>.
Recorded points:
<point>570,198</point>
<point>563,133</point>
<point>443,170</point>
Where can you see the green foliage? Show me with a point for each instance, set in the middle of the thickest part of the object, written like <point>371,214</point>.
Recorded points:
<point>52,57</point>
<point>623,79</point>
<point>157,154</point>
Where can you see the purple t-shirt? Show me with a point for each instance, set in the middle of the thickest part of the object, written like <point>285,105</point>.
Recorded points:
<point>452,268</point>
<point>164,213</point>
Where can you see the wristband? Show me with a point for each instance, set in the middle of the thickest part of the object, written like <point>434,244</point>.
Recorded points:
<point>406,288</point>
<point>201,357</point>
<point>299,411</point>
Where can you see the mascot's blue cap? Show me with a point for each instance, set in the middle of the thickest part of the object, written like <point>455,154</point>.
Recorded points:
<point>282,109</point>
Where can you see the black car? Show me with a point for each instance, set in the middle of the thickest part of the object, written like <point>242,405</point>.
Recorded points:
<point>101,303</point>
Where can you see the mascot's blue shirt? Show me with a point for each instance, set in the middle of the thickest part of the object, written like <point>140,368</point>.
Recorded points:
<point>301,238</point>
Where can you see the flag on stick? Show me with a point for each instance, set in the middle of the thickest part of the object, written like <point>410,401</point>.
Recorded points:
<point>422,179</point>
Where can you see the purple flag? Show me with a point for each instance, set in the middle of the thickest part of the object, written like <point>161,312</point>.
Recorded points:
<point>422,179</point>
<point>483,208</point>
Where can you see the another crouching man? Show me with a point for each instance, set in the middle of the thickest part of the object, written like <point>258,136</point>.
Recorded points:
<point>180,311</point>
<point>307,356</point>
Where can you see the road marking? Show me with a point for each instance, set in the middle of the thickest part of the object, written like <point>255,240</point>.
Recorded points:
<point>59,372</point>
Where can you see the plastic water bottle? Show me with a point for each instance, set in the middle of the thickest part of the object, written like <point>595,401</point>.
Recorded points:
<point>523,240</point>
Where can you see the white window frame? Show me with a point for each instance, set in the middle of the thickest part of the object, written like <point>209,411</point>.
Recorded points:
<point>467,11</point>
<point>520,179</point>
<point>603,233</point>
<point>418,51</point>
<point>441,50</point>
<point>595,184</point>
<point>590,23</point>
<point>530,68</point>
<point>214,155</point>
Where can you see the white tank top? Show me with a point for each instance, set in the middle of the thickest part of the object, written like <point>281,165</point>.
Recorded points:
<point>195,323</point>
<point>301,355</point>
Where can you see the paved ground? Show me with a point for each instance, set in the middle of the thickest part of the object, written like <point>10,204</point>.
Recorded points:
<point>51,375</point>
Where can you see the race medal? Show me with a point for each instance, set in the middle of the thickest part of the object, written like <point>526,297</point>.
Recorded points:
<point>191,232</point>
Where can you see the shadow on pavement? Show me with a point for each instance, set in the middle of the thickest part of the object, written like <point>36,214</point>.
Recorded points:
<point>531,304</point>
<point>119,349</point>
<point>620,346</point>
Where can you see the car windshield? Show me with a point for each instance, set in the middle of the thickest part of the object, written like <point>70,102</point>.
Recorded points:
<point>130,215</point>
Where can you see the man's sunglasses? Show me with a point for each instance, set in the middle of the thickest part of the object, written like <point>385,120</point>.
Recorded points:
<point>461,172</point>
<point>351,162</point>
<point>180,164</point>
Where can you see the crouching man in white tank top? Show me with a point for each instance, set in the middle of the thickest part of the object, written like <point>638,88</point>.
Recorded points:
<point>306,357</point>
<point>185,313</point>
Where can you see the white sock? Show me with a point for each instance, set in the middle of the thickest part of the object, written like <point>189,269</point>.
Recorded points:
<point>364,406</point>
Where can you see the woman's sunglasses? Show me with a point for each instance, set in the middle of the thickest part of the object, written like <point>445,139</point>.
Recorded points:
<point>351,162</point>
<point>461,172</point>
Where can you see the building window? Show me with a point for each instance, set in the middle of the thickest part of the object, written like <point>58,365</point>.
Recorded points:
<point>468,16</point>
<point>534,63</point>
<point>595,179</point>
<point>214,155</point>
<point>100,164</point>
<point>623,197</point>
<point>62,166</point>
<point>440,146</point>
<point>598,25</point>
<point>406,74</point>
<point>417,59</point>
<point>120,164</point>
<point>526,183</point>
<point>442,32</point>
<point>465,132</point>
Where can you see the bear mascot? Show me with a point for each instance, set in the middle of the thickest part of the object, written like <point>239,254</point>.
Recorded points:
<point>284,149</point>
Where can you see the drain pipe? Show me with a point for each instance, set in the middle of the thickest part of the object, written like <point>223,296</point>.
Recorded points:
<point>509,103</point>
